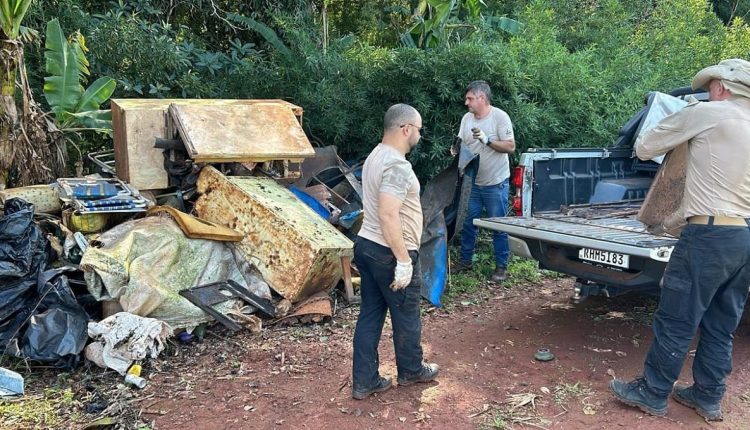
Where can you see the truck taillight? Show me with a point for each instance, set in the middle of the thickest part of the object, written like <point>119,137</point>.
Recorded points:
<point>516,177</point>
<point>517,205</point>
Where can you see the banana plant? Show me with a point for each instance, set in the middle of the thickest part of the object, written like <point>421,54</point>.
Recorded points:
<point>435,21</point>
<point>67,68</point>
<point>11,15</point>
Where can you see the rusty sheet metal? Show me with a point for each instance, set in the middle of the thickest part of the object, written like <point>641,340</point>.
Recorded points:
<point>662,209</point>
<point>244,133</point>
<point>314,309</point>
<point>137,122</point>
<point>297,252</point>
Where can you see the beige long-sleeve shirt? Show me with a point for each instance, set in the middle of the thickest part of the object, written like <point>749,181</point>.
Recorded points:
<point>718,171</point>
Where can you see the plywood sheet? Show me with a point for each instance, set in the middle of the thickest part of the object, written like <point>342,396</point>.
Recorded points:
<point>245,133</point>
<point>136,123</point>
<point>135,129</point>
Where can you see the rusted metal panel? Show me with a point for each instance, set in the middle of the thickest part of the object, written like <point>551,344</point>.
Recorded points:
<point>297,252</point>
<point>136,123</point>
<point>245,133</point>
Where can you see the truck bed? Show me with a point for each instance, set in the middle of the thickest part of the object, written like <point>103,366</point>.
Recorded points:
<point>609,227</point>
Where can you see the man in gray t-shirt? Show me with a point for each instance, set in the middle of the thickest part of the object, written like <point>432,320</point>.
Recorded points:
<point>386,253</point>
<point>488,132</point>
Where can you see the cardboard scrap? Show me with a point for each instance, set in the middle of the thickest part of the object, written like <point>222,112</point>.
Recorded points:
<point>197,228</point>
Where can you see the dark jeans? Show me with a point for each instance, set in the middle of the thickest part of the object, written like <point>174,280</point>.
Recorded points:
<point>705,286</point>
<point>376,264</point>
<point>494,199</point>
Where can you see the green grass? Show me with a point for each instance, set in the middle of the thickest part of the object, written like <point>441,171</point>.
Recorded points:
<point>37,411</point>
<point>521,271</point>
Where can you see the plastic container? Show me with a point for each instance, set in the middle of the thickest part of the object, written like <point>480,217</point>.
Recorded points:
<point>135,381</point>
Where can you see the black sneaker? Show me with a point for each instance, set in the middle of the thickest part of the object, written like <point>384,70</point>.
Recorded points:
<point>460,267</point>
<point>686,395</point>
<point>499,275</point>
<point>427,374</point>
<point>636,393</point>
<point>382,385</point>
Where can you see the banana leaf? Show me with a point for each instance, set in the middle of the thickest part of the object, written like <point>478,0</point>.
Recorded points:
<point>62,88</point>
<point>100,120</point>
<point>506,24</point>
<point>78,42</point>
<point>265,31</point>
<point>12,13</point>
<point>96,94</point>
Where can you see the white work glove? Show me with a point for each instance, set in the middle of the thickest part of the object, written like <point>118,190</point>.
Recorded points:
<point>479,135</point>
<point>402,275</point>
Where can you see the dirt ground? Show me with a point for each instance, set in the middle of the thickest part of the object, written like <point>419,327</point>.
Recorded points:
<point>299,377</point>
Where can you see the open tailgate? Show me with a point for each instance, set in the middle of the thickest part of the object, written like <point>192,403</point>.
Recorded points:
<point>622,235</point>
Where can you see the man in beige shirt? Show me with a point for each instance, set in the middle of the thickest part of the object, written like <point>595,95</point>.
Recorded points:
<point>706,282</point>
<point>386,254</point>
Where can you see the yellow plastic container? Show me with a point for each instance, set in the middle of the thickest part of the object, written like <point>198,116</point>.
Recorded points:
<point>135,370</point>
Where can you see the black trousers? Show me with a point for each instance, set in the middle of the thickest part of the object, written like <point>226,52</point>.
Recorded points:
<point>376,264</point>
<point>705,286</point>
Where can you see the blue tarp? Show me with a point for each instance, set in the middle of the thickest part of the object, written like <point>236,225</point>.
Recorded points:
<point>443,213</point>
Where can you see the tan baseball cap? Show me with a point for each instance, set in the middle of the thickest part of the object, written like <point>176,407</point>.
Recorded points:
<point>733,70</point>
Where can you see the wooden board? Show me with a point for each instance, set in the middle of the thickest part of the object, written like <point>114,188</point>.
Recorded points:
<point>662,209</point>
<point>135,127</point>
<point>245,133</point>
<point>136,123</point>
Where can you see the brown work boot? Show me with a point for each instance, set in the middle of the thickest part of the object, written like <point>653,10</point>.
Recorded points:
<point>499,275</point>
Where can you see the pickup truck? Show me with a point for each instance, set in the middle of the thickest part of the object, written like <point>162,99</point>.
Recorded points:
<point>576,214</point>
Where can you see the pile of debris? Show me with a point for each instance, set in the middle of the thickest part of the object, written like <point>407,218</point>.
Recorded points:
<point>208,211</point>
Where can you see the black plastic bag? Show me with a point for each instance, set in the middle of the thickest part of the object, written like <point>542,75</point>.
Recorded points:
<point>40,318</point>
<point>24,251</point>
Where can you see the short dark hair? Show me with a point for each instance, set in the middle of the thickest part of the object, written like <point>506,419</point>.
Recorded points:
<point>398,115</point>
<point>480,87</point>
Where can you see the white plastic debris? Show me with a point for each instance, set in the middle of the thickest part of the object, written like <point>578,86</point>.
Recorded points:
<point>124,338</point>
<point>11,383</point>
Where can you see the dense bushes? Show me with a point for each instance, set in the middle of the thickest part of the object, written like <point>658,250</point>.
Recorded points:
<point>570,78</point>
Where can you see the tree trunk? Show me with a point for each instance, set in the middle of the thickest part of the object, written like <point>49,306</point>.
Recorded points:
<point>8,112</point>
<point>32,149</point>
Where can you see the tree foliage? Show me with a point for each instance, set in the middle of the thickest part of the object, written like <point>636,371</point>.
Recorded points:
<point>570,76</point>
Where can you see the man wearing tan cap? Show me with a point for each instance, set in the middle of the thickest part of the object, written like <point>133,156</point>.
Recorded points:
<point>706,282</point>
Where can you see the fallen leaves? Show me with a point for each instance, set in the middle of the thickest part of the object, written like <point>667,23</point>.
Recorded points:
<point>611,373</point>
<point>516,401</point>
<point>561,306</point>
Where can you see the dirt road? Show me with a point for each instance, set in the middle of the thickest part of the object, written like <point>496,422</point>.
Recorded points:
<point>299,377</point>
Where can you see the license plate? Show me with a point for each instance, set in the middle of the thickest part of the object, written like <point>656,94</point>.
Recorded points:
<point>604,257</point>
